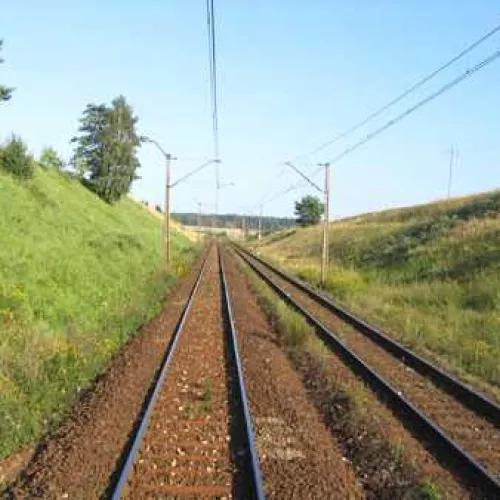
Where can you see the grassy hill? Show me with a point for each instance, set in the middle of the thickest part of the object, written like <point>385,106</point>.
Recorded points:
<point>77,277</point>
<point>429,274</point>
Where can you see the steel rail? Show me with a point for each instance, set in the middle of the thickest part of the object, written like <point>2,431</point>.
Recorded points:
<point>468,396</point>
<point>463,462</point>
<point>252,462</point>
<point>141,431</point>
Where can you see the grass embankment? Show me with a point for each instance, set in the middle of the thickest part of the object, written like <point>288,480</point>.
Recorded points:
<point>77,277</point>
<point>430,275</point>
<point>381,462</point>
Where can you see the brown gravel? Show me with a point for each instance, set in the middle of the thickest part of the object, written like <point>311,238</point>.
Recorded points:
<point>187,451</point>
<point>388,460</point>
<point>299,458</point>
<point>78,459</point>
<point>472,432</point>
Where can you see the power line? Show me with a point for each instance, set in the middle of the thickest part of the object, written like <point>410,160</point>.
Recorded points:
<point>274,179</point>
<point>192,172</point>
<point>304,176</point>
<point>212,57</point>
<point>401,96</point>
<point>464,76</point>
<point>289,189</point>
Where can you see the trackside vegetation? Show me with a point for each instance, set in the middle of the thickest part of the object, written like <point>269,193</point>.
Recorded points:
<point>77,277</point>
<point>429,275</point>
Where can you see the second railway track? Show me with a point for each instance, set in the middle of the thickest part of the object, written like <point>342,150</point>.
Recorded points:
<point>195,439</point>
<point>462,423</point>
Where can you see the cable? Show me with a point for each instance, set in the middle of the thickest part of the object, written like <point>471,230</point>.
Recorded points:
<point>289,189</point>
<point>213,88</point>
<point>192,172</point>
<point>401,96</point>
<point>464,76</point>
<point>304,176</point>
<point>274,179</point>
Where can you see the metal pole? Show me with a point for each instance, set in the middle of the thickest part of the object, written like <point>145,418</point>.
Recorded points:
<point>326,219</point>
<point>167,212</point>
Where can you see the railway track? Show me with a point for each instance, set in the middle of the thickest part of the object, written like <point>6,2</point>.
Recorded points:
<point>461,425</point>
<point>195,438</point>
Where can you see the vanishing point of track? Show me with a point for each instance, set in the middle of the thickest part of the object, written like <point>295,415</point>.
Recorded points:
<point>195,437</point>
<point>462,425</point>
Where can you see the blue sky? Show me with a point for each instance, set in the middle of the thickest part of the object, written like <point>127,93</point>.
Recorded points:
<point>292,74</point>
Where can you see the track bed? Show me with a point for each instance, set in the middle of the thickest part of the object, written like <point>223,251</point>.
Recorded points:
<point>474,430</point>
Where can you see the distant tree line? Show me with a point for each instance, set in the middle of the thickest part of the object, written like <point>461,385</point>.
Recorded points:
<point>235,221</point>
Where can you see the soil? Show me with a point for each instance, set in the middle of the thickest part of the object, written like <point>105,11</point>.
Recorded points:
<point>299,457</point>
<point>388,460</point>
<point>10,466</point>
<point>478,436</point>
<point>78,459</point>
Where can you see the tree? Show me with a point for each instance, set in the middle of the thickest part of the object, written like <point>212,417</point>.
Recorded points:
<point>50,159</point>
<point>107,148</point>
<point>5,92</point>
<point>14,158</point>
<point>309,210</point>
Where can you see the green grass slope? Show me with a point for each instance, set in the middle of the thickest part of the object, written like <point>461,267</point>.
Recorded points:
<point>77,277</point>
<point>429,274</point>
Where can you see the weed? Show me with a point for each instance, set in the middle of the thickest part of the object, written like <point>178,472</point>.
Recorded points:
<point>208,391</point>
<point>398,451</point>
<point>429,491</point>
<point>429,275</point>
<point>317,349</point>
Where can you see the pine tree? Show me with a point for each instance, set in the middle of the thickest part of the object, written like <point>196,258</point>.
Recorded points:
<point>107,148</point>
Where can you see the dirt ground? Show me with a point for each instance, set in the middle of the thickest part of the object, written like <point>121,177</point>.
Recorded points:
<point>299,457</point>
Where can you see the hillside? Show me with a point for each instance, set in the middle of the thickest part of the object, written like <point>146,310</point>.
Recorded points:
<point>77,277</point>
<point>429,274</point>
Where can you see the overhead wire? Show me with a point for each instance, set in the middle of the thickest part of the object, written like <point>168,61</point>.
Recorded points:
<point>212,57</point>
<point>445,88</point>
<point>403,95</point>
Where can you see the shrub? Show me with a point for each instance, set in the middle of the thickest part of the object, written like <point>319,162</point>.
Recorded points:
<point>309,274</point>
<point>15,159</point>
<point>342,283</point>
<point>50,159</point>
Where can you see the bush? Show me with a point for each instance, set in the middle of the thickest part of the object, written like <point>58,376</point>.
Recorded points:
<point>342,283</point>
<point>50,159</point>
<point>15,159</point>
